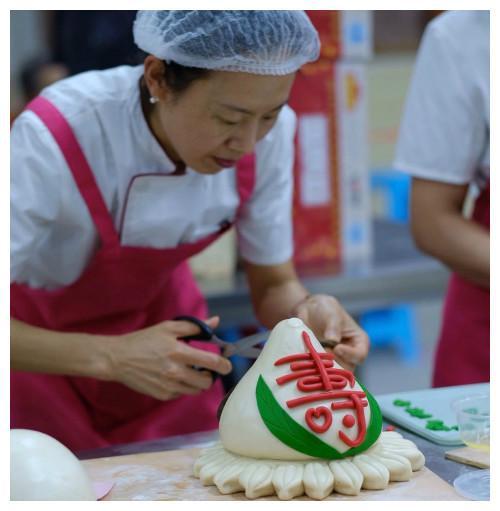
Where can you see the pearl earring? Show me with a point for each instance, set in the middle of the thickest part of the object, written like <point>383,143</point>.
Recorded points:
<point>153,100</point>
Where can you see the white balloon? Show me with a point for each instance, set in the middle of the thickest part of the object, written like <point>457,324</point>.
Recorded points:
<point>41,468</point>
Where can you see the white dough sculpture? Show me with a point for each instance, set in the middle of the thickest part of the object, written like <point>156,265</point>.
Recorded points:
<point>298,423</point>
<point>41,468</point>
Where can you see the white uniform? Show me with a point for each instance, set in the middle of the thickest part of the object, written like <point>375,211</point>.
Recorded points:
<point>52,234</point>
<point>444,134</point>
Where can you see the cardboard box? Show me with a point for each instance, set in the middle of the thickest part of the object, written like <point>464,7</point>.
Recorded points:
<point>331,207</point>
<point>344,34</point>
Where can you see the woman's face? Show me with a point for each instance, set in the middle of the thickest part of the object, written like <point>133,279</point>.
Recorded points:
<point>218,119</point>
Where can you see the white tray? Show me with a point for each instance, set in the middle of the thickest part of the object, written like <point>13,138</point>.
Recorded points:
<point>433,401</point>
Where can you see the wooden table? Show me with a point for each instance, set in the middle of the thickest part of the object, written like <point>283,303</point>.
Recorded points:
<point>102,464</point>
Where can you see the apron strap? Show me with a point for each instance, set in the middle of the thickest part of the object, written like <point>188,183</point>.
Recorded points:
<point>245,179</point>
<point>79,166</point>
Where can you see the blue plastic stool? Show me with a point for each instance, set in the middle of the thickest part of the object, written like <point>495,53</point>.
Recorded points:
<point>394,326</point>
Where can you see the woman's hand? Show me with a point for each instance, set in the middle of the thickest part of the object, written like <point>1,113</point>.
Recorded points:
<point>152,360</point>
<point>329,321</point>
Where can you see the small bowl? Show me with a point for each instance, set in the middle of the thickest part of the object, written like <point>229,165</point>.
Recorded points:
<point>473,420</point>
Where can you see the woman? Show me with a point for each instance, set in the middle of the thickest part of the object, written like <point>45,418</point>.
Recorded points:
<point>118,177</point>
<point>445,145</point>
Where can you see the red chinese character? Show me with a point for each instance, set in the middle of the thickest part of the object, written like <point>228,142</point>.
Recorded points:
<point>316,375</point>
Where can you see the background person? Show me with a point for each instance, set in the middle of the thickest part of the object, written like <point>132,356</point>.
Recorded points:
<point>444,144</point>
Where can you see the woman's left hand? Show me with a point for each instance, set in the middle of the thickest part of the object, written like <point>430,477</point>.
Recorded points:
<point>329,321</point>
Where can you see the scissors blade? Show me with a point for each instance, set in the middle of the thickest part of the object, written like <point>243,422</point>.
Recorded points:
<point>246,346</point>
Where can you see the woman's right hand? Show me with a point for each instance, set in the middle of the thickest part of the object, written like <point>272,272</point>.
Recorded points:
<point>154,362</point>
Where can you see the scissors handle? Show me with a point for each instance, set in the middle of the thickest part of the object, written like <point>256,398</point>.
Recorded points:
<point>205,334</point>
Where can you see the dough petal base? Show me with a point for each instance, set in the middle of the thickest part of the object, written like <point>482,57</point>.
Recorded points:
<point>391,458</point>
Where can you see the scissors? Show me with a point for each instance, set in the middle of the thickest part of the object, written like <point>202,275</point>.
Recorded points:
<point>245,347</point>
<point>249,347</point>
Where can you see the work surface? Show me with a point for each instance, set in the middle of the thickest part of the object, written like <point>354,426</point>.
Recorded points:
<point>169,476</point>
<point>146,471</point>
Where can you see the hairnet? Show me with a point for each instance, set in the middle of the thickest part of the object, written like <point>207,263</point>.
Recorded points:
<point>259,42</point>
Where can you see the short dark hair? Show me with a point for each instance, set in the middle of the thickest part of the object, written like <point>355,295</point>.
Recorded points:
<point>178,79</point>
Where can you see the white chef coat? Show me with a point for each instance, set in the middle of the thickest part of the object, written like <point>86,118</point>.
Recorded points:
<point>444,134</point>
<point>52,234</point>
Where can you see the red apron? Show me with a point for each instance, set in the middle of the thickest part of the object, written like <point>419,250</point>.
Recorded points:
<point>463,354</point>
<point>123,289</point>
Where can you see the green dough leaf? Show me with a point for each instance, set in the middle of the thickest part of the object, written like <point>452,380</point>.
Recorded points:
<point>420,413</point>
<point>439,425</point>
<point>401,402</point>
<point>291,433</point>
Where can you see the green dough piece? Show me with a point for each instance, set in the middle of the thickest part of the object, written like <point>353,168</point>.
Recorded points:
<point>437,425</point>
<point>418,412</point>
<point>401,402</point>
